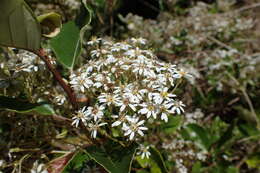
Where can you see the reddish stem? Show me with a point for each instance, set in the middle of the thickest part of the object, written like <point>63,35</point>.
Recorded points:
<point>42,54</point>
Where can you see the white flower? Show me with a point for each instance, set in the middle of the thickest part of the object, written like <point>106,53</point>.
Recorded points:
<point>94,40</point>
<point>79,116</point>
<point>93,127</point>
<point>149,109</point>
<point>80,83</point>
<point>38,168</point>
<point>139,40</point>
<point>134,93</point>
<point>178,107</point>
<point>163,95</point>
<point>60,99</point>
<point>95,112</point>
<point>134,127</point>
<point>121,118</point>
<point>108,99</point>
<point>127,101</point>
<point>144,151</point>
<point>181,73</point>
<point>98,52</point>
<point>135,53</point>
<point>165,110</point>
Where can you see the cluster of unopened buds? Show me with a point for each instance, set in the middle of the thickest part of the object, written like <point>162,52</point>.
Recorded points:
<point>128,86</point>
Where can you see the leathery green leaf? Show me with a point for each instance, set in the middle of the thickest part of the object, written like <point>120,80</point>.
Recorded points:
<point>18,26</point>
<point>115,160</point>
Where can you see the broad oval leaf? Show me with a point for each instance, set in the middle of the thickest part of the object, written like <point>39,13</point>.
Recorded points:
<point>115,159</point>
<point>21,106</point>
<point>18,26</point>
<point>52,21</point>
<point>67,44</point>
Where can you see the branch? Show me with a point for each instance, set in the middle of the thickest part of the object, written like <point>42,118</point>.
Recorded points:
<point>42,54</point>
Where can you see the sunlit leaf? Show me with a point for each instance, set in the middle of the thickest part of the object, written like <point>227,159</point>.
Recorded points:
<point>65,44</point>
<point>68,43</point>
<point>19,27</point>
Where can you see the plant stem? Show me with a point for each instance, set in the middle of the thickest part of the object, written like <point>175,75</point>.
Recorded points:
<point>42,54</point>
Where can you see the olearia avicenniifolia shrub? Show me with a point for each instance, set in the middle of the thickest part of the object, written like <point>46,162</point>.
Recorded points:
<point>129,90</point>
<point>128,87</point>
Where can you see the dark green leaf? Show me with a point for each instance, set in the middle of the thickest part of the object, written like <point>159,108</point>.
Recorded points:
<point>172,125</point>
<point>115,160</point>
<point>199,135</point>
<point>22,106</point>
<point>196,168</point>
<point>226,136</point>
<point>77,162</point>
<point>19,27</point>
<point>158,159</point>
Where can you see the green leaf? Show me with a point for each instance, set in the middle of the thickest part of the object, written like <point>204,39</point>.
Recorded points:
<point>199,135</point>
<point>158,159</point>
<point>22,106</point>
<point>52,21</point>
<point>19,27</point>
<point>172,125</point>
<point>77,162</point>
<point>117,159</point>
<point>254,161</point>
<point>196,168</point>
<point>227,135</point>
<point>67,44</point>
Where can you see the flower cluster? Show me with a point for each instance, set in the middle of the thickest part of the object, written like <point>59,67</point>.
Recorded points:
<point>127,86</point>
<point>182,151</point>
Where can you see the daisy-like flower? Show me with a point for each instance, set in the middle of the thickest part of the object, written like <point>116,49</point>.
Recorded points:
<point>38,168</point>
<point>149,109</point>
<point>93,127</point>
<point>98,52</point>
<point>143,151</point>
<point>95,112</point>
<point>121,118</point>
<point>164,109</point>
<point>135,53</point>
<point>178,107</point>
<point>127,101</point>
<point>108,99</point>
<point>134,127</point>
<point>81,82</point>
<point>139,40</point>
<point>181,73</point>
<point>79,116</point>
<point>134,93</point>
<point>60,99</point>
<point>163,95</point>
<point>94,40</point>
